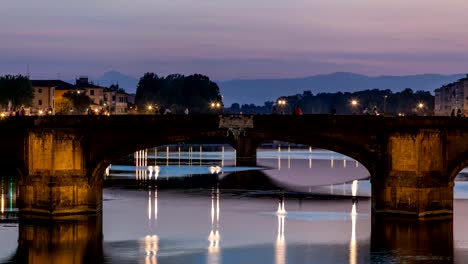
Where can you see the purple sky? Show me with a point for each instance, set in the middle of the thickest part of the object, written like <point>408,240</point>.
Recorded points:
<point>228,39</point>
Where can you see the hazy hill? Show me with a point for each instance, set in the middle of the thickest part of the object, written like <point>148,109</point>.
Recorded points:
<point>257,91</point>
<point>127,82</point>
<point>260,90</point>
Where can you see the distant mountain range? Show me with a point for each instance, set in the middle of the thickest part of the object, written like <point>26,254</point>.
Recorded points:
<point>258,91</point>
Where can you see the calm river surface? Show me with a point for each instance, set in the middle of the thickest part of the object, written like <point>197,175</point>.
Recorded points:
<point>304,206</point>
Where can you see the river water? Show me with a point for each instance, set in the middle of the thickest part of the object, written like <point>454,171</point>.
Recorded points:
<point>299,206</point>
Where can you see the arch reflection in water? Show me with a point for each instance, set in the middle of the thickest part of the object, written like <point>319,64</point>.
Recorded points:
<point>280,245</point>
<point>214,237</point>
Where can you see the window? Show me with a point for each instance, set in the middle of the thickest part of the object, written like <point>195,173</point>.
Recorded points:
<point>121,100</point>
<point>39,90</point>
<point>113,98</point>
<point>39,102</point>
<point>91,92</point>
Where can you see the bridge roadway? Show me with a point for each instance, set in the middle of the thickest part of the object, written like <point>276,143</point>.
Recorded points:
<point>60,160</point>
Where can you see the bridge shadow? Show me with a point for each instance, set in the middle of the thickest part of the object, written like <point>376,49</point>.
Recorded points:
<point>399,240</point>
<point>249,180</point>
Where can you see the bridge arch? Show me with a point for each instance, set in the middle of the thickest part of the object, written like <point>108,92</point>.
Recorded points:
<point>350,149</point>
<point>106,156</point>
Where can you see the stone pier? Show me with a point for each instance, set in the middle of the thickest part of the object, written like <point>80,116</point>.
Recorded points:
<point>57,182</point>
<point>246,152</point>
<point>415,183</point>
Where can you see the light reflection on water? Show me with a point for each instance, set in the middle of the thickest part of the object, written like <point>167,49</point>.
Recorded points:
<point>150,225</point>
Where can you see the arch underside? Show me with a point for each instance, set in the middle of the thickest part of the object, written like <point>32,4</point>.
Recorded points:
<point>106,155</point>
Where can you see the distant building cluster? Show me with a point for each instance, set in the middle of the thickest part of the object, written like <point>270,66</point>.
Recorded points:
<point>103,99</point>
<point>452,99</point>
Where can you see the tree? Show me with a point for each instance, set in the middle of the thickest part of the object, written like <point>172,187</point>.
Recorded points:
<point>16,89</point>
<point>63,105</point>
<point>177,91</point>
<point>80,101</point>
<point>147,90</point>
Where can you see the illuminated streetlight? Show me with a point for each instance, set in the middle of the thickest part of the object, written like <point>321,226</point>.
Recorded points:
<point>420,105</point>
<point>282,105</point>
<point>354,103</point>
<point>215,106</point>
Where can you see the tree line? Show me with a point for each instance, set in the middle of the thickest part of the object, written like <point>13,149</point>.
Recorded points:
<point>177,92</point>
<point>406,102</point>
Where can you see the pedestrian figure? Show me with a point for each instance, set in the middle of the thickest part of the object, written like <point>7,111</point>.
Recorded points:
<point>22,112</point>
<point>459,113</point>
<point>90,111</point>
<point>162,110</point>
<point>297,110</point>
<point>186,111</point>
<point>452,114</point>
<point>374,111</point>
<point>333,110</point>
<point>365,111</point>
<point>274,110</point>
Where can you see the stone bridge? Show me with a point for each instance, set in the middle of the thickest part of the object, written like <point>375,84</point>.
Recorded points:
<point>60,160</point>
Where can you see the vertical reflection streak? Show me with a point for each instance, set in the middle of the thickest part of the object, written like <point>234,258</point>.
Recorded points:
<point>279,157</point>
<point>214,236</point>
<point>280,245</point>
<point>222,156</point>
<point>353,243</point>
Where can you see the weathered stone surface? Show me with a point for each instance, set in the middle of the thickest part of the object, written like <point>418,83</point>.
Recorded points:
<point>412,160</point>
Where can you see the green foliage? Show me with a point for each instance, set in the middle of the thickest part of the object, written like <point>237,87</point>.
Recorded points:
<point>17,89</point>
<point>63,106</point>
<point>80,101</point>
<point>177,92</point>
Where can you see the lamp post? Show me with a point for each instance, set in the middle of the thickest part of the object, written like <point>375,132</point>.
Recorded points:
<point>281,105</point>
<point>354,103</point>
<point>420,107</point>
<point>215,107</point>
<point>385,104</point>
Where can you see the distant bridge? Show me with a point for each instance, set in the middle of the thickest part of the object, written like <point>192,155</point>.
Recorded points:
<point>61,159</point>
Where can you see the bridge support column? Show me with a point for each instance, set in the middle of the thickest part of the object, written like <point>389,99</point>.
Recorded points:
<point>56,184</point>
<point>246,152</point>
<point>415,184</point>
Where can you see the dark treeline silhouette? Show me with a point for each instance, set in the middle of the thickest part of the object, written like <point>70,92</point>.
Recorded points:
<point>177,92</point>
<point>15,90</point>
<point>405,102</point>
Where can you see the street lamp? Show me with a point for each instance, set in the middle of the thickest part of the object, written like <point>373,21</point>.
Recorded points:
<point>385,104</point>
<point>282,105</point>
<point>420,107</point>
<point>215,106</point>
<point>354,104</point>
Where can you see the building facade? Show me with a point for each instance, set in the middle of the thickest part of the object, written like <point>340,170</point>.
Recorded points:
<point>95,92</point>
<point>115,101</point>
<point>452,98</point>
<point>45,94</point>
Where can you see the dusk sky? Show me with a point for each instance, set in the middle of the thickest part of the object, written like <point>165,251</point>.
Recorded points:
<point>228,39</point>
